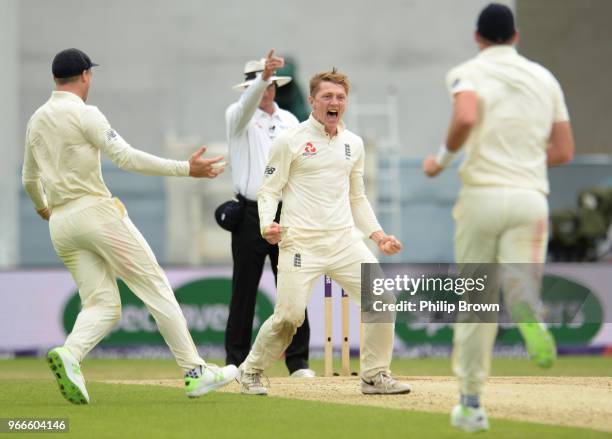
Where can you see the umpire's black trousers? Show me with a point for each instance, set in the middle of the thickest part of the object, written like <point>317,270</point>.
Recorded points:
<point>249,251</point>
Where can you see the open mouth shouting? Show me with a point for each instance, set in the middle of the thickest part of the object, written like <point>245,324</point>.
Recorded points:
<point>332,116</point>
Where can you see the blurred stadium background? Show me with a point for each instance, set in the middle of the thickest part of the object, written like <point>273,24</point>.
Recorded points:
<point>164,81</point>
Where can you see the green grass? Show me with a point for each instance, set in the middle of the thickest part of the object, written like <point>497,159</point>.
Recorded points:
<point>28,390</point>
<point>158,412</point>
<point>107,369</point>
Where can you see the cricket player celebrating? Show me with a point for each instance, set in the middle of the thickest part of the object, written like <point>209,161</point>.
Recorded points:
<point>92,233</point>
<point>510,116</point>
<point>317,169</point>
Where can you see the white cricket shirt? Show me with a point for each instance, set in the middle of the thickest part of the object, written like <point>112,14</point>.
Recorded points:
<point>250,132</point>
<point>518,102</point>
<point>320,180</point>
<point>63,141</point>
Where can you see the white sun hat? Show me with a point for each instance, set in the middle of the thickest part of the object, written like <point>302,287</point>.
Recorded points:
<point>253,68</point>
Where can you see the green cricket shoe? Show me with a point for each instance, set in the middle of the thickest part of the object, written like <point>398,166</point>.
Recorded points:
<point>67,372</point>
<point>207,378</point>
<point>539,342</point>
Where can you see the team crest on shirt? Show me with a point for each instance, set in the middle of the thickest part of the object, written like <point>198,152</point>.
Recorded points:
<point>309,150</point>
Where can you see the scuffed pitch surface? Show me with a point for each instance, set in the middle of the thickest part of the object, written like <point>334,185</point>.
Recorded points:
<point>570,401</point>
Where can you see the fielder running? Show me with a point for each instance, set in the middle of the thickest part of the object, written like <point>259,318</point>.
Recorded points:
<point>509,115</point>
<point>92,233</point>
<point>317,167</point>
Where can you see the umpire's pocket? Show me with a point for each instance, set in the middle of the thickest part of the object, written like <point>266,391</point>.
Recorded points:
<point>289,261</point>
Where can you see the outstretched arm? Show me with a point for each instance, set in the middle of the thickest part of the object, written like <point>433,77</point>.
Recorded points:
<point>99,132</point>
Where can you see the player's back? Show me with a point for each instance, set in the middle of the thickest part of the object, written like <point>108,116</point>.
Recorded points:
<point>69,164</point>
<point>519,101</point>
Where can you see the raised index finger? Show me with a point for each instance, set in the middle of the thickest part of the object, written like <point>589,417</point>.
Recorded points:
<point>271,54</point>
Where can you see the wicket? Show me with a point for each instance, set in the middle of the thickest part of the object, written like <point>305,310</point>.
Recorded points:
<point>329,353</point>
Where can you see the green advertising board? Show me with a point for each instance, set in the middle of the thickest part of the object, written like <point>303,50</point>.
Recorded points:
<point>205,304</point>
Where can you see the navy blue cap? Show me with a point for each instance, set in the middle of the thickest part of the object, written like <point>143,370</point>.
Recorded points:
<point>496,23</point>
<point>70,62</point>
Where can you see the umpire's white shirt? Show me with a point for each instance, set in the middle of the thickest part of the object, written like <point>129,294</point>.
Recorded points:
<point>320,180</point>
<point>63,141</point>
<point>250,132</point>
<point>519,101</point>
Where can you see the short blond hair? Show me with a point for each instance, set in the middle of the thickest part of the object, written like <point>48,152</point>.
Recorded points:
<point>330,76</point>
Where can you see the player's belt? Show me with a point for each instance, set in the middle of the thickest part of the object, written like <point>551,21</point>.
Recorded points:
<point>246,201</point>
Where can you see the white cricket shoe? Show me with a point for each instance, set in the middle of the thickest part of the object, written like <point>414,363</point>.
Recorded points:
<point>383,384</point>
<point>250,383</point>
<point>67,372</point>
<point>469,419</point>
<point>210,377</point>
<point>304,373</point>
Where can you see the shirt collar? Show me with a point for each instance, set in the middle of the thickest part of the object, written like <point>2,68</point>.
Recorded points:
<point>275,115</point>
<point>67,95</point>
<point>320,128</point>
<point>497,51</point>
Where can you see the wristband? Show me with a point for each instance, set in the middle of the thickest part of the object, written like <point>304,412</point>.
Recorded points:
<point>444,156</point>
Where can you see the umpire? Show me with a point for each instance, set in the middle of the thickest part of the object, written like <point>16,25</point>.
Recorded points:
<point>252,124</point>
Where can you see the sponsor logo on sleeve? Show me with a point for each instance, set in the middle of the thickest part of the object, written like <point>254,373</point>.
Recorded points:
<point>269,170</point>
<point>111,135</point>
<point>297,260</point>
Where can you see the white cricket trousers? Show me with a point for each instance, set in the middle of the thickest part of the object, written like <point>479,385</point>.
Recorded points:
<point>305,256</point>
<point>98,242</point>
<point>494,225</point>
